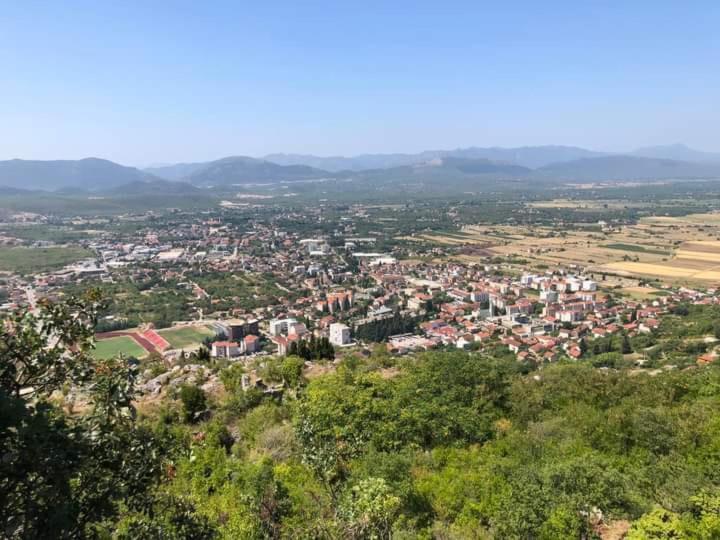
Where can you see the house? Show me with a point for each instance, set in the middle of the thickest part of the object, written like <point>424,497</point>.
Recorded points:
<point>280,326</point>
<point>339,334</point>
<point>226,349</point>
<point>464,341</point>
<point>252,344</point>
<point>283,343</point>
<point>512,344</point>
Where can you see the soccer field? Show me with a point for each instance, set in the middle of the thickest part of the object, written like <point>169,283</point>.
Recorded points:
<point>108,348</point>
<point>188,336</point>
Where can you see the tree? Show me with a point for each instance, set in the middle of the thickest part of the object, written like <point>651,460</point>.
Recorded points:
<point>368,509</point>
<point>291,370</point>
<point>232,377</point>
<point>41,352</point>
<point>203,355</point>
<point>169,518</point>
<point>609,359</point>
<point>68,475</point>
<point>626,346</point>
<point>659,524</point>
<point>193,401</point>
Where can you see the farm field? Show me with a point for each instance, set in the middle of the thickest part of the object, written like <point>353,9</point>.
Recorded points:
<point>643,293</point>
<point>34,260</point>
<point>694,219</point>
<point>674,249</point>
<point>108,348</point>
<point>185,337</point>
<point>579,204</point>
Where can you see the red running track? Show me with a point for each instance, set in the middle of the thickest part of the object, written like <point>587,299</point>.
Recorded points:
<point>139,339</point>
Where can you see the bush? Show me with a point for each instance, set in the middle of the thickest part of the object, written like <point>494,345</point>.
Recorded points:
<point>193,401</point>
<point>291,369</point>
<point>243,401</point>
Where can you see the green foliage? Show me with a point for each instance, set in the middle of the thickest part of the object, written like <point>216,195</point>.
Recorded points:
<point>291,370</point>
<point>312,349</point>
<point>608,359</point>
<point>33,260</point>
<point>68,475</point>
<point>243,401</point>
<point>169,518</point>
<point>194,401</point>
<point>659,524</point>
<point>231,378</point>
<point>441,399</point>
<point>368,509</point>
<point>380,330</point>
<point>138,299</point>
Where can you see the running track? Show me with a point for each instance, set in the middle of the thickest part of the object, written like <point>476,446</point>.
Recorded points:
<point>139,339</point>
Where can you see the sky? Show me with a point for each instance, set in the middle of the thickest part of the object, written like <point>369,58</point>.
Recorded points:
<point>172,81</point>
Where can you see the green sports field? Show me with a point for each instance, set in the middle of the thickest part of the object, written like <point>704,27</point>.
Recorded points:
<point>189,336</point>
<point>108,348</point>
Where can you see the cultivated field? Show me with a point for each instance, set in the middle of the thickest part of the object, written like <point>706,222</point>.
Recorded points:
<point>676,250</point>
<point>35,260</point>
<point>579,204</point>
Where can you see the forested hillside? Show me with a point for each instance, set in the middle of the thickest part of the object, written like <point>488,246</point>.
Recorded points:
<point>444,445</point>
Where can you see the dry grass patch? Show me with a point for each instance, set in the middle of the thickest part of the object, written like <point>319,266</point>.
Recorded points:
<point>651,269</point>
<point>698,255</point>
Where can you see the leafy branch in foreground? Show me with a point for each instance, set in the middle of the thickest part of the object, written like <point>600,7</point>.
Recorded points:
<point>60,475</point>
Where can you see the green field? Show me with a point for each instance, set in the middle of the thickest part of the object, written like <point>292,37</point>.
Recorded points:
<point>50,233</point>
<point>31,260</point>
<point>635,247</point>
<point>108,348</point>
<point>180,338</point>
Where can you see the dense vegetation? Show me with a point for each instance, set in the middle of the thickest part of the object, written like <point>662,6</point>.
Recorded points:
<point>380,329</point>
<point>442,445</point>
<point>139,300</point>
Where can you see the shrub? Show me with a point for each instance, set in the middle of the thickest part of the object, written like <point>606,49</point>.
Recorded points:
<point>193,401</point>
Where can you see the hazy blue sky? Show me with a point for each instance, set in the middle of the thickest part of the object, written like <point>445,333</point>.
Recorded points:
<point>154,81</point>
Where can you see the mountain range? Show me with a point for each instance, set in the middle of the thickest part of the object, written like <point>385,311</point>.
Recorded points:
<point>678,152</point>
<point>526,156</point>
<point>89,174</point>
<point>540,163</point>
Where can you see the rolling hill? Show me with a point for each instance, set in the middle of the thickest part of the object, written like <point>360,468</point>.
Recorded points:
<point>91,174</point>
<point>679,152</point>
<point>627,168</point>
<point>246,170</point>
<point>176,171</point>
<point>166,188</point>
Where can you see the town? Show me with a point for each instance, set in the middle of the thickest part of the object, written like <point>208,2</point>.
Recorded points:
<point>359,271</point>
<point>244,284</point>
